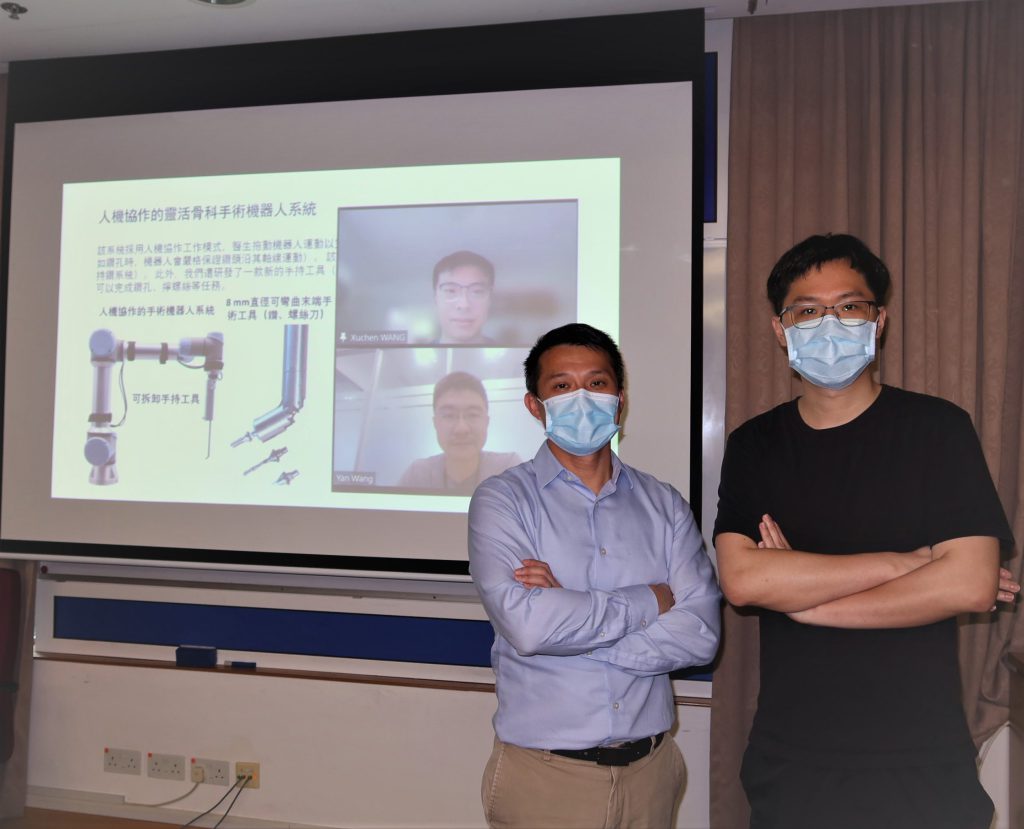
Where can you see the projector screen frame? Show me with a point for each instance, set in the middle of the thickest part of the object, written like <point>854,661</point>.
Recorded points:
<point>602,51</point>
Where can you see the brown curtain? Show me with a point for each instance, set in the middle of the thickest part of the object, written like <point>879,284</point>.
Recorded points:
<point>14,773</point>
<point>904,126</point>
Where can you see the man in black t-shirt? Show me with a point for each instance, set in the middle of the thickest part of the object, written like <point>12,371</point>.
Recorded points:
<point>862,520</point>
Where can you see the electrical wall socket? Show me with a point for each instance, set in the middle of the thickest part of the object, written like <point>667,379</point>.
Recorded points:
<point>122,761</point>
<point>251,770</point>
<point>165,766</point>
<point>215,772</point>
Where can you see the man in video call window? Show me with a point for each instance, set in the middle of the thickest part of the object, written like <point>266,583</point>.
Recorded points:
<point>460,421</point>
<point>463,282</point>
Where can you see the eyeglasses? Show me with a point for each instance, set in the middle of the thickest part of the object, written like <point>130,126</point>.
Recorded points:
<point>473,418</point>
<point>850,314</point>
<point>452,291</point>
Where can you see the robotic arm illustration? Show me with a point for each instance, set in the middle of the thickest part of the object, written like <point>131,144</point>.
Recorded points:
<point>106,351</point>
<point>293,388</point>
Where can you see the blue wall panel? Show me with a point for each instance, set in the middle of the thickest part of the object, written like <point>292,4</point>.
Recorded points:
<point>271,630</point>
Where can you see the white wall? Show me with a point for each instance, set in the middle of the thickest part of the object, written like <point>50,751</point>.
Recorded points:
<point>995,774</point>
<point>717,38</point>
<point>331,753</point>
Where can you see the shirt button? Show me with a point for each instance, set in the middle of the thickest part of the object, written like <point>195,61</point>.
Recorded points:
<point>601,633</point>
<point>604,552</point>
<point>615,705</point>
<point>643,623</point>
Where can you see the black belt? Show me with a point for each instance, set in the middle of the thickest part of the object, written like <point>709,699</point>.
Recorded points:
<point>614,756</point>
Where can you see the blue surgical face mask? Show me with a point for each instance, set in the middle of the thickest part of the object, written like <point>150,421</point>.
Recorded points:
<point>581,422</point>
<point>831,355</point>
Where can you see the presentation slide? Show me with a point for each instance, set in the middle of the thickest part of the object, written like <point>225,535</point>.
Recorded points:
<point>299,330</point>
<point>225,337</point>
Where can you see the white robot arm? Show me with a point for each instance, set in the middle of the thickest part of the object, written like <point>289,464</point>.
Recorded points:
<point>106,351</point>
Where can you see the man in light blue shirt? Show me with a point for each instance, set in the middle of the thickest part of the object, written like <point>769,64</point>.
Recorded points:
<point>595,578</point>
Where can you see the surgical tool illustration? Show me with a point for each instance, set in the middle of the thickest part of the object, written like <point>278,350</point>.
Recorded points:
<point>106,351</point>
<point>273,457</point>
<point>293,388</point>
<point>286,478</point>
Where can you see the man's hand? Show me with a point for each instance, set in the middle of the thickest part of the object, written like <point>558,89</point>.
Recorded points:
<point>771,535</point>
<point>664,595</point>
<point>869,609</point>
<point>535,573</point>
<point>1008,588</point>
<point>773,539</point>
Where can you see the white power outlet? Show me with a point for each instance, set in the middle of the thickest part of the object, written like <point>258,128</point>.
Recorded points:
<point>122,761</point>
<point>165,766</point>
<point>216,772</point>
<point>251,771</point>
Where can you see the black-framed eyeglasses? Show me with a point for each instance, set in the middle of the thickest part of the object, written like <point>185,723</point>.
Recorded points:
<point>453,291</point>
<point>852,313</point>
<point>449,416</point>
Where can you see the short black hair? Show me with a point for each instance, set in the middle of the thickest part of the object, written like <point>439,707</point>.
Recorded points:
<point>464,259</point>
<point>459,381</point>
<point>575,333</point>
<point>814,252</point>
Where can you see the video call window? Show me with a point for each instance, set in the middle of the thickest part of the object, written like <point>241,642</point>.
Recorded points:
<point>431,419</point>
<point>489,274</point>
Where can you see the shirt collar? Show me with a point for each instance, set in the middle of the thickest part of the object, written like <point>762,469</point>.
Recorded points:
<point>547,467</point>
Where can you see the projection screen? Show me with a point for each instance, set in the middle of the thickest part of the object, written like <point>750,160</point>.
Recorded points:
<point>252,335</point>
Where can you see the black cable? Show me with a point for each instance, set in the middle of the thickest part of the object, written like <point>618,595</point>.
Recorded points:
<point>232,806</point>
<point>242,780</point>
<point>124,397</point>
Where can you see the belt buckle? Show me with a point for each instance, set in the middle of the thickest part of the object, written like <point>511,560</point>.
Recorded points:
<point>613,757</point>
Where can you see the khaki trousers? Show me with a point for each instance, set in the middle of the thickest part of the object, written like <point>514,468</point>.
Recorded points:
<point>525,788</point>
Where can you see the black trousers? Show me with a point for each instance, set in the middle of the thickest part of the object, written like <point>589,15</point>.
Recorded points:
<point>788,794</point>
